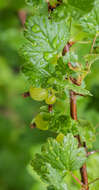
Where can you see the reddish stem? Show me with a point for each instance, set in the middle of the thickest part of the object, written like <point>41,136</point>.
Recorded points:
<point>73,112</point>
<point>84,176</point>
<point>73,108</point>
<point>50,108</point>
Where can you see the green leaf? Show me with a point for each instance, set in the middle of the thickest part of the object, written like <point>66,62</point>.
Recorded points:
<point>87,132</point>
<point>48,174</point>
<point>39,7</point>
<point>77,89</point>
<point>55,179</point>
<point>47,37</point>
<point>67,12</point>
<point>85,5</point>
<point>72,10</point>
<point>45,42</point>
<point>61,123</point>
<point>35,76</point>
<point>56,159</point>
<point>90,22</point>
<point>63,156</point>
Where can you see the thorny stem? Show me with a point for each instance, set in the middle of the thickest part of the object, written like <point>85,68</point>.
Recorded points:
<point>73,112</point>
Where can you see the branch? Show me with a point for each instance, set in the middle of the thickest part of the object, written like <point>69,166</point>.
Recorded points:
<point>73,112</point>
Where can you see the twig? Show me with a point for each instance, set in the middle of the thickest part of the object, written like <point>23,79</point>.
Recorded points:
<point>93,181</point>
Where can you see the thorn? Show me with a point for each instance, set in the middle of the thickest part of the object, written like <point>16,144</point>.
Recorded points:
<point>92,152</point>
<point>26,94</point>
<point>32,125</point>
<point>22,16</point>
<point>50,108</point>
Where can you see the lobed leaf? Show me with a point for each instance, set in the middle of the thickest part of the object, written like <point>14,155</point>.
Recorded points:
<point>63,156</point>
<point>45,42</point>
<point>56,159</point>
<point>61,123</point>
<point>77,89</point>
<point>90,22</point>
<point>85,5</point>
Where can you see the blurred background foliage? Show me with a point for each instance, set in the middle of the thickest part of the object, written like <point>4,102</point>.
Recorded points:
<point>18,142</point>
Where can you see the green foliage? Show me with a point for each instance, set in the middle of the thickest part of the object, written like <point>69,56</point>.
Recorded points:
<point>77,89</point>
<point>60,123</point>
<point>56,122</point>
<point>61,44</point>
<point>47,69</point>
<point>57,159</point>
<point>90,22</point>
<point>46,40</point>
<point>85,5</point>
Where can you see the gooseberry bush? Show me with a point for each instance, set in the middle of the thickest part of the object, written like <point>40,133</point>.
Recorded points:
<point>61,43</point>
